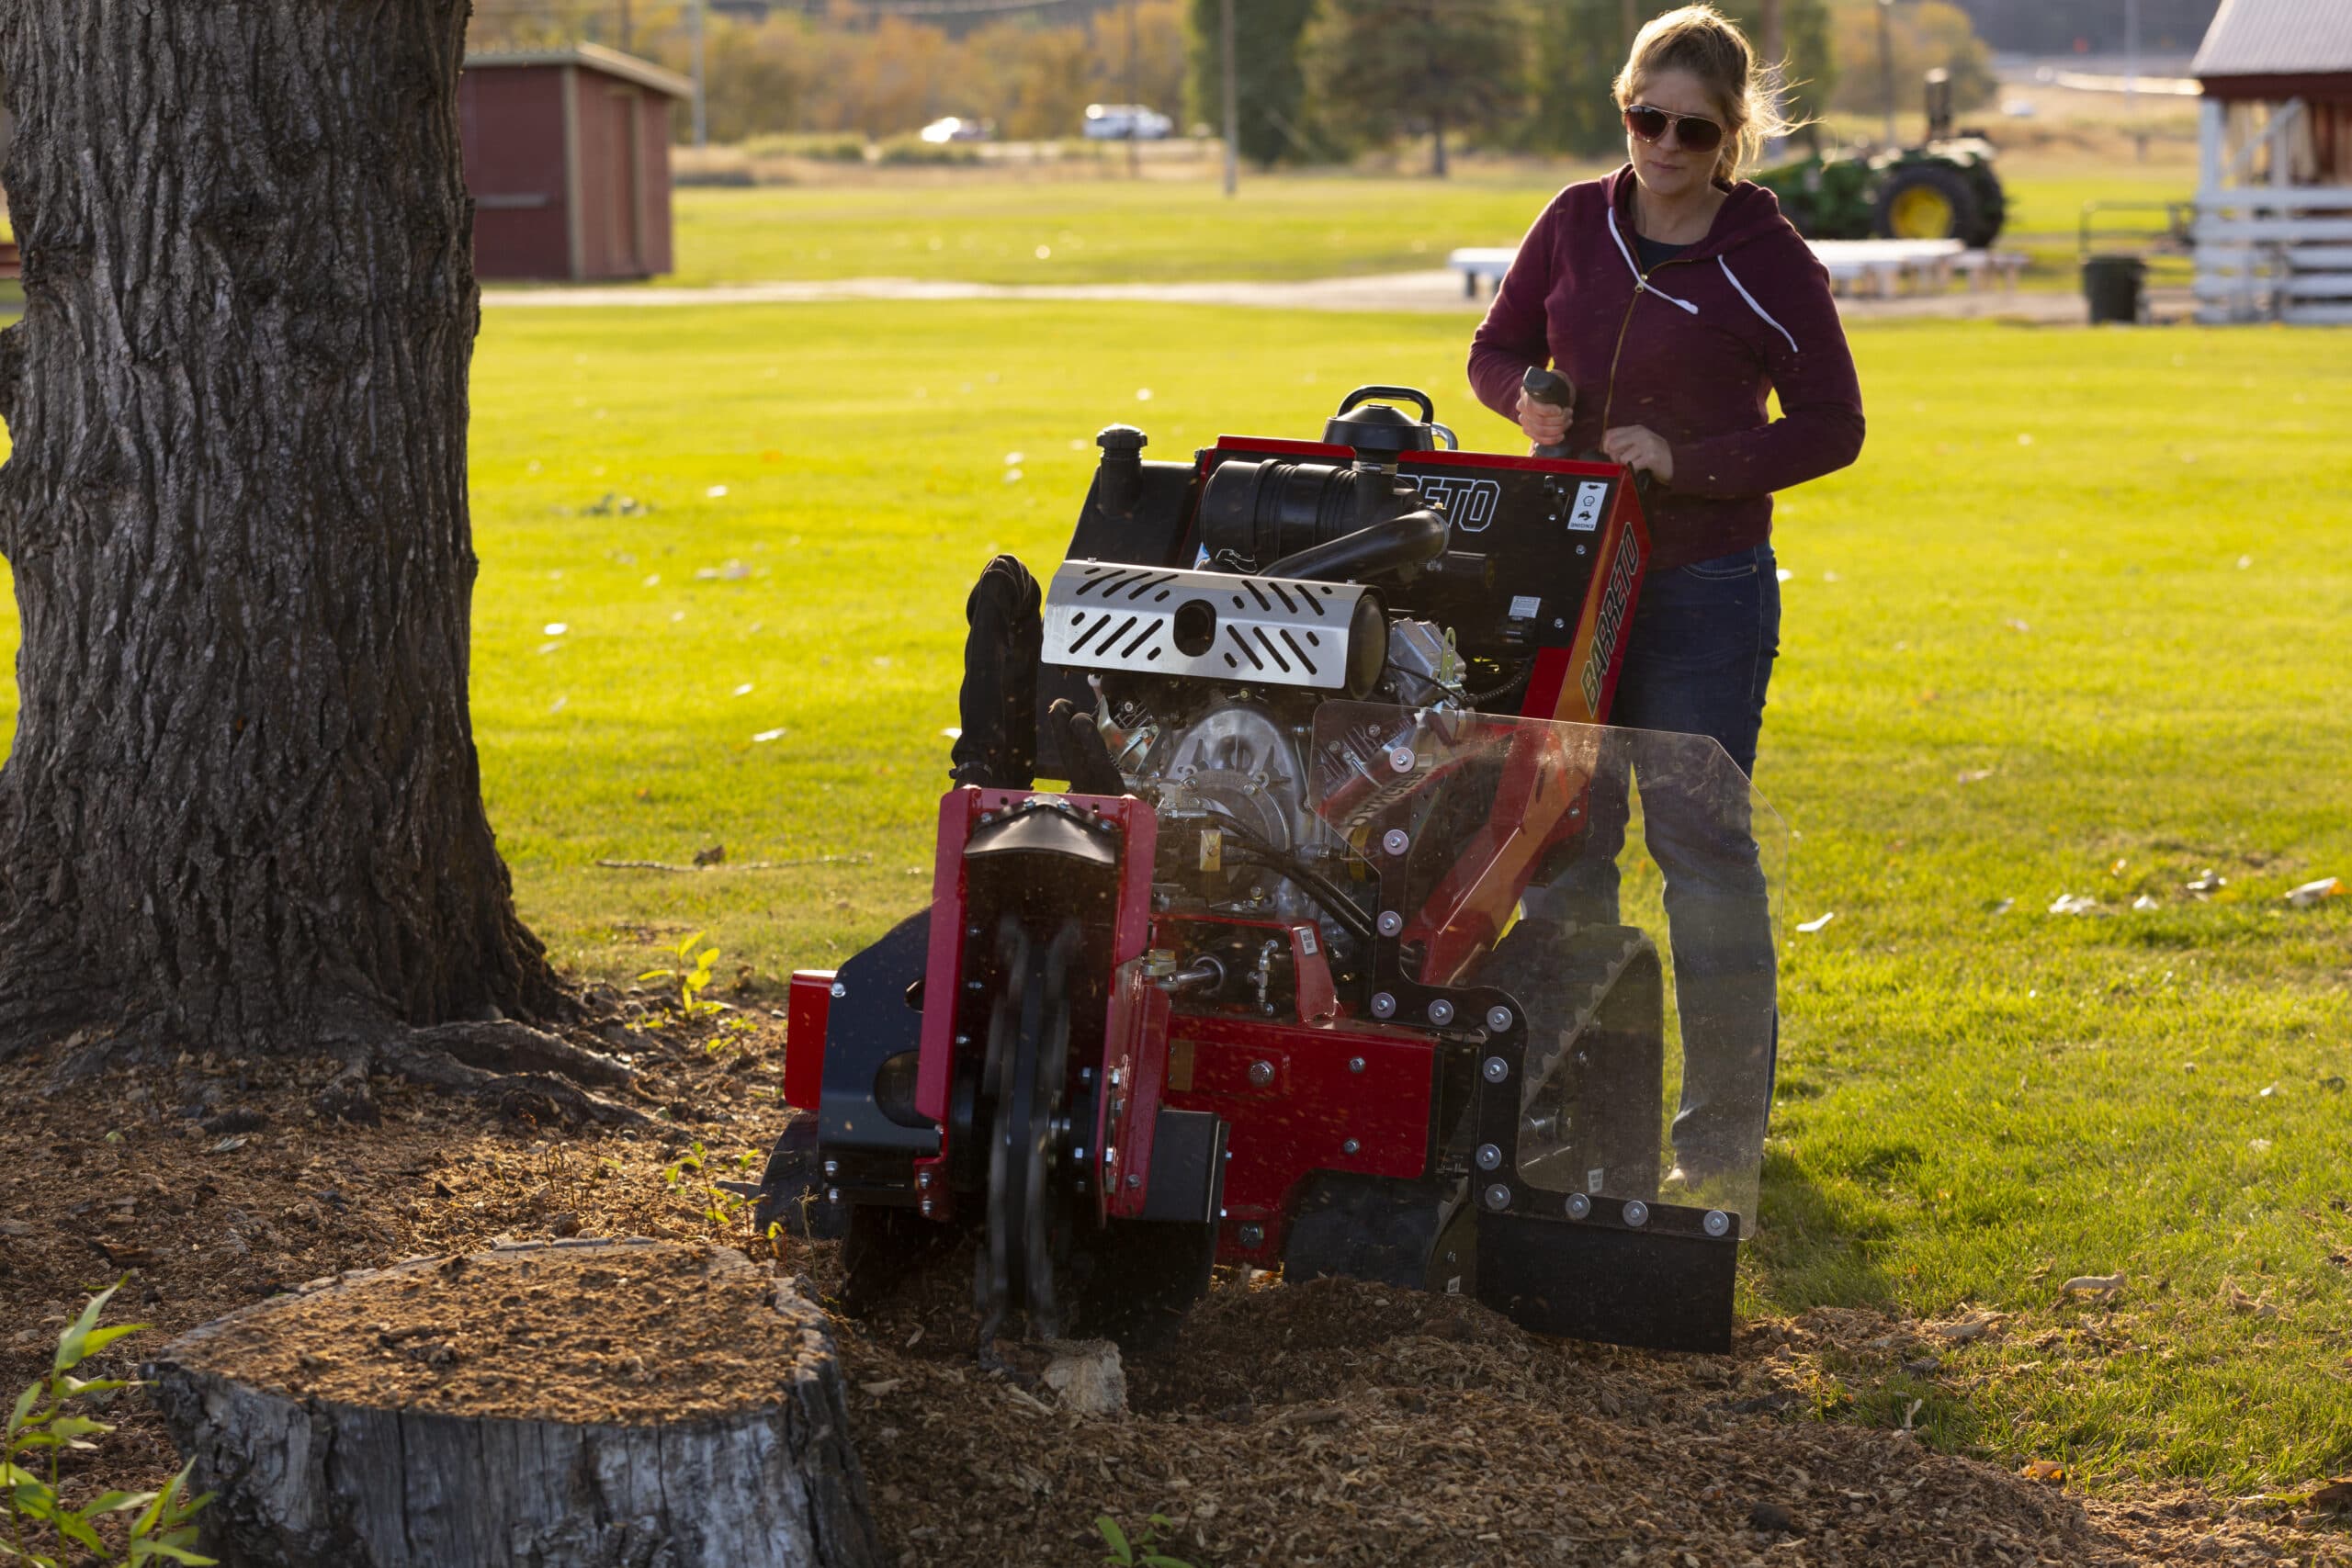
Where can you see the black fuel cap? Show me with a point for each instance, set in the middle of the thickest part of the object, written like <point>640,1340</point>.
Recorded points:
<point>1369,426</point>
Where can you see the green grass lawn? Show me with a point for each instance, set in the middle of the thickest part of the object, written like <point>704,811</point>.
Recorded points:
<point>1108,230</point>
<point>2100,577</point>
<point>1290,227</point>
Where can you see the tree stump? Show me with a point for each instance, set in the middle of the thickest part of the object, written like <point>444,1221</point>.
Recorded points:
<point>580,1404</point>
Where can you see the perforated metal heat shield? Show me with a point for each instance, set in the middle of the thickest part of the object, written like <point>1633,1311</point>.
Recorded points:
<point>1215,624</point>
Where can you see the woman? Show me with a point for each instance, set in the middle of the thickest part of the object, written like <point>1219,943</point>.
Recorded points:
<point>1674,297</point>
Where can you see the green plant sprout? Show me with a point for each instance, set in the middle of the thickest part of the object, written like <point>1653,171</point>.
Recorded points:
<point>159,1530</point>
<point>693,978</point>
<point>722,1208</point>
<point>1143,1551</point>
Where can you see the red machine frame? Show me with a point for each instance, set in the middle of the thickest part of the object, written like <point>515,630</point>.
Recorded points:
<point>1320,1090</point>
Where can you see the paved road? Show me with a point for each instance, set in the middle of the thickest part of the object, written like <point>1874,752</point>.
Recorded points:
<point>1437,291</point>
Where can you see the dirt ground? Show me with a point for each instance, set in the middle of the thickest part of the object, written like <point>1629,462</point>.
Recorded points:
<point>1330,1424</point>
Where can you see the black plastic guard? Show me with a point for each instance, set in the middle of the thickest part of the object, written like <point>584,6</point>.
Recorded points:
<point>1654,1291</point>
<point>876,1015</point>
<point>1187,1166</point>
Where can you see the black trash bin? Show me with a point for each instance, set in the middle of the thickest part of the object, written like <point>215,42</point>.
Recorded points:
<point>2113,285</point>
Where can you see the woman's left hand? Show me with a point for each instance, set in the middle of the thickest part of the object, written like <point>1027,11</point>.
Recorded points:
<point>1639,446</point>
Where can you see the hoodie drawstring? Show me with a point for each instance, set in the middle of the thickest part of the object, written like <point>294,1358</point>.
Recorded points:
<point>1640,283</point>
<point>1752,305</point>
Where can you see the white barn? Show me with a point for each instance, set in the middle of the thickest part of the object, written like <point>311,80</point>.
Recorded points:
<point>2274,191</point>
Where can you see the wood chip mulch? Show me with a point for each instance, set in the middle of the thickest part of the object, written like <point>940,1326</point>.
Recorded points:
<point>1328,1424</point>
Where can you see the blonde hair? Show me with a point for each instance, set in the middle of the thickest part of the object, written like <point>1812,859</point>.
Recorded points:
<point>1701,39</point>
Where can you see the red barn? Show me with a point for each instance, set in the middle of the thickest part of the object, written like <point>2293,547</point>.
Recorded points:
<point>567,157</point>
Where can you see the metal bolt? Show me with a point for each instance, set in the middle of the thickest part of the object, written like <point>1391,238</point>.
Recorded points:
<point>1118,1076</point>
<point>1395,841</point>
<point>926,1206</point>
<point>1495,1069</point>
<point>1638,1213</point>
<point>963,1040</point>
<point>1498,1196</point>
<point>1401,759</point>
<point>833,1194</point>
<point>1077,1155</point>
<point>1262,1073</point>
<point>1440,1012</point>
<point>1383,1004</point>
<point>1498,1018</point>
<point>840,989</point>
<point>922,1179</point>
<point>1349,1146</point>
<point>1135,1179</point>
<point>1355,1064</point>
<point>1489,1156</point>
<point>1717,1223</point>
<point>1559,626</point>
<point>1579,1206</point>
<point>968,985</point>
<point>833,1167</point>
<point>1110,1156</point>
<point>1253,1236</point>
<point>971,931</point>
<point>1390,922</point>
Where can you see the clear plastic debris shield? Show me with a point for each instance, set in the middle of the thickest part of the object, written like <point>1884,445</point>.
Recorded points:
<point>1619,889</point>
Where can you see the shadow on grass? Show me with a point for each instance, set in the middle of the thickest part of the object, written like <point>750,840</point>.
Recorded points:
<point>1818,1249</point>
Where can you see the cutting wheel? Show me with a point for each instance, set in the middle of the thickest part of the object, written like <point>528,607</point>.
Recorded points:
<point>1024,1084</point>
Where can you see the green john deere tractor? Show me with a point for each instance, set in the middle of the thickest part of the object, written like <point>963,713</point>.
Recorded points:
<point>1942,189</point>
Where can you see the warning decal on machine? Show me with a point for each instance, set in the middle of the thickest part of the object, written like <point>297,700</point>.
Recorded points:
<point>1585,516</point>
<point>1525,606</point>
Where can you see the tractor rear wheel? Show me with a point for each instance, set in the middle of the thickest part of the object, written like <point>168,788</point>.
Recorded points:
<point>1925,201</point>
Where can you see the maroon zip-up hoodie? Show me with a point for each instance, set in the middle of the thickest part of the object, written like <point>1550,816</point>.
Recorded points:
<point>1691,351</point>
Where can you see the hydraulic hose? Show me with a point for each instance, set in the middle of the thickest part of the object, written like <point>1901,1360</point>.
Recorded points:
<point>1510,686</point>
<point>1336,904</point>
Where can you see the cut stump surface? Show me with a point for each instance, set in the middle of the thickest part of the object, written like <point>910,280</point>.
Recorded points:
<point>636,1405</point>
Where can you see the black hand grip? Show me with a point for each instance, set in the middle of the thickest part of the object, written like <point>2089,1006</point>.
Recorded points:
<point>1549,387</point>
<point>1411,394</point>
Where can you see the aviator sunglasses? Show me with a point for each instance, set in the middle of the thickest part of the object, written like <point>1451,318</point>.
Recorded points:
<point>1694,131</point>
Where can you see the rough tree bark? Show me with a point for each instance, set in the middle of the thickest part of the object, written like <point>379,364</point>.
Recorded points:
<point>243,809</point>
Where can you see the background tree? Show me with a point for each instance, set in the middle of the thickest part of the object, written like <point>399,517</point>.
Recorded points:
<point>1269,83</point>
<point>243,811</point>
<point>1385,68</point>
<point>1926,34</point>
<point>1577,47</point>
<point>1034,81</point>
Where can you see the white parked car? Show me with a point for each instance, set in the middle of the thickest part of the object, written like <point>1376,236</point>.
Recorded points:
<point>1116,122</point>
<point>954,129</point>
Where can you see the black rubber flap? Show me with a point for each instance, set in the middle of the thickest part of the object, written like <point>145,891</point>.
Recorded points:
<point>1043,830</point>
<point>1187,1166</point>
<point>1620,1287</point>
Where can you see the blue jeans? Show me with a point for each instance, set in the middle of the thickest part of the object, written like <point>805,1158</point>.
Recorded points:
<point>1697,662</point>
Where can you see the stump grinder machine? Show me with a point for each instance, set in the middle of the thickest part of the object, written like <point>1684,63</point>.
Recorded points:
<point>1257,987</point>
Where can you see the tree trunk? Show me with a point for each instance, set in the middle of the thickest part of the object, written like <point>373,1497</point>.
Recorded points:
<point>1437,146</point>
<point>315,1483</point>
<point>243,810</point>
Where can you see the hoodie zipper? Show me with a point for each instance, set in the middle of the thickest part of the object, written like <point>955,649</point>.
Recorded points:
<point>1640,286</point>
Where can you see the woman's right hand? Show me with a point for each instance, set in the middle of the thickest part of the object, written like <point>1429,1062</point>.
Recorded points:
<point>1546,424</point>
